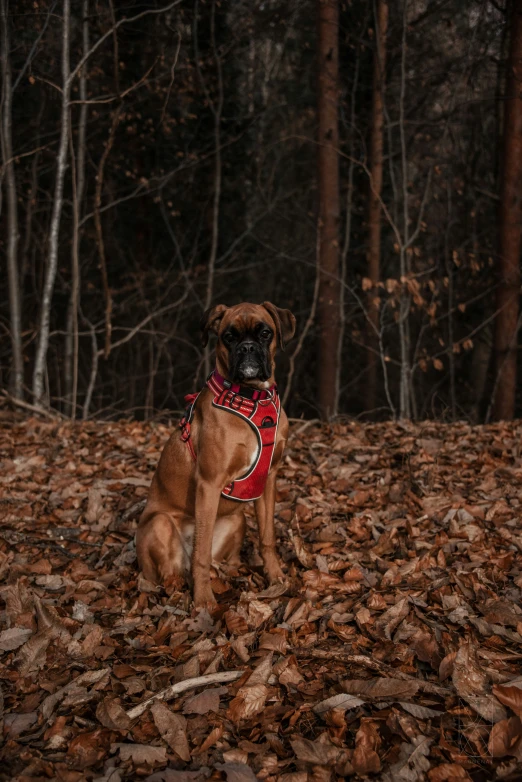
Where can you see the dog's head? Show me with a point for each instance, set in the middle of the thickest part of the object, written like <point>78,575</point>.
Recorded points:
<point>248,336</point>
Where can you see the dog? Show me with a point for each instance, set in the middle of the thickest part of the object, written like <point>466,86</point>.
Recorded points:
<point>232,440</point>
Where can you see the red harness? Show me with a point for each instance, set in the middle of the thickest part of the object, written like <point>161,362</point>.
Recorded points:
<point>260,409</point>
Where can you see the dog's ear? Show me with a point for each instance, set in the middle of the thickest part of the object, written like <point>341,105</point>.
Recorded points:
<point>210,321</point>
<point>284,322</point>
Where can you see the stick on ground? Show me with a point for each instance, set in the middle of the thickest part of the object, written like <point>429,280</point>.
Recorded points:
<point>179,687</point>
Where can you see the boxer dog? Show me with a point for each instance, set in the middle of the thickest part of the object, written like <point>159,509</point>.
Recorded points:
<point>231,444</point>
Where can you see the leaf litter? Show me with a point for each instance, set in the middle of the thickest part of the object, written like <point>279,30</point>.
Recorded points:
<point>392,651</point>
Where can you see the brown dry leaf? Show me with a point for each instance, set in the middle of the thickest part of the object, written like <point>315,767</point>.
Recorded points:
<point>254,612</point>
<point>173,729</point>
<point>84,679</point>
<point>262,671</point>
<point>365,759</point>
<point>392,618</point>
<point>488,708</point>
<point>236,623</point>
<point>239,646</point>
<point>303,555</point>
<point>316,752</point>
<point>15,724</point>
<point>13,638</point>
<point>413,762</point>
<point>248,702</point>
<point>448,772</point>
<point>341,701</point>
<point>112,715</point>
<point>142,753</point>
<point>275,642</point>
<point>510,696</point>
<point>87,749</point>
<point>506,738</point>
<point>380,688</point>
<point>469,677</point>
<point>205,701</point>
<point>290,677</point>
<point>237,772</point>
<point>446,666</point>
<point>211,739</point>
<point>33,655</point>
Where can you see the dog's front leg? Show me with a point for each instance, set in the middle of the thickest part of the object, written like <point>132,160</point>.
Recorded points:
<point>207,501</point>
<point>265,507</point>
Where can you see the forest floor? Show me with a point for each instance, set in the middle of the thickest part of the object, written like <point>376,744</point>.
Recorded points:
<point>394,651</point>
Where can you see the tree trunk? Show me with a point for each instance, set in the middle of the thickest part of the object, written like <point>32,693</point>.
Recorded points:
<point>328,224</point>
<point>52,258</point>
<point>508,291</point>
<point>17,367</point>
<point>78,167</point>
<point>217,110</point>
<point>374,204</point>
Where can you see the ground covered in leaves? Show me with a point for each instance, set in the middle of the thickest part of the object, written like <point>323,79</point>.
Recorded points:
<point>394,651</point>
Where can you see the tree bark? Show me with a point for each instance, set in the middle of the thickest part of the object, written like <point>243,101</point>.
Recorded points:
<point>329,208</point>
<point>15,306</point>
<point>78,169</point>
<point>217,110</point>
<point>374,203</point>
<point>508,291</point>
<point>52,257</point>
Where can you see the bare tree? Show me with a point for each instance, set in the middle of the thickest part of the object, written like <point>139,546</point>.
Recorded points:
<point>15,308</point>
<point>508,291</point>
<point>329,207</point>
<point>52,256</point>
<point>78,169</point>
<point>217,110</point>
<point>374,199</point>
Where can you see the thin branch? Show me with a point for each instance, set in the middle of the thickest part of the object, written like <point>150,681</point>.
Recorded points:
<point>189,684</point>
<point>115,27</point>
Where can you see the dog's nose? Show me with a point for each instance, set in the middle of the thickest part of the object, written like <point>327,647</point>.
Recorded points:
<point>246,347</point>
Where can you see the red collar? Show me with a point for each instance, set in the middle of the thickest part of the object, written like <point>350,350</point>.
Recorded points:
<point>217,384</point>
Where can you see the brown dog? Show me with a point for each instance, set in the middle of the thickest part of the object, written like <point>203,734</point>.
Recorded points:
<point>188,520</point>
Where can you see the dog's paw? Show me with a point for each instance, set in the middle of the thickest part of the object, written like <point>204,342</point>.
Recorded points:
<point>204,598</point>
<point>276,575</point>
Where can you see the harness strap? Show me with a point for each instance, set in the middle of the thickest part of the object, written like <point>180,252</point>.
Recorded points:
<point>260,409</point>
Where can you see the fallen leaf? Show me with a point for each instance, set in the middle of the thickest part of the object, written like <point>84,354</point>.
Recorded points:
<point>509,695</point>
<point>173,729</point>
<point>315,752</point>
<point>205,701</point>
<point>365,759</point>
<point>380,688</point>
<point>141,753</point>
<point>112,715</point>
<point>468,676</point>
<point>506,738</point>
<point>13,638</point>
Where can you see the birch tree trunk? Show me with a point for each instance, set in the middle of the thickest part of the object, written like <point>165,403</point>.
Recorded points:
<point>15,308</point>
<point>374,202</point>
<point>52,257</point>
<point>329,207</point>
<point>508,291</point>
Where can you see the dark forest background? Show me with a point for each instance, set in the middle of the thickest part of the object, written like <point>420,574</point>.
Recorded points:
<point>357,162</point>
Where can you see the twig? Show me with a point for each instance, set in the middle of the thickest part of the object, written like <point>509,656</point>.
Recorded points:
<point>307,326</point>
<point>54,416</point>
<point>368,662</point>
<point>179,687</point>
<point>130,513</point>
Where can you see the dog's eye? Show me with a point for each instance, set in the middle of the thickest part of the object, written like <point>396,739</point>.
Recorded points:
<point>228,338</point>
<point>265,334</point>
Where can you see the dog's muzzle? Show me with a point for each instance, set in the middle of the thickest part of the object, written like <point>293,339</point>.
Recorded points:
<point>250,363</point>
